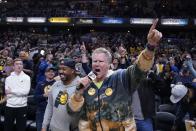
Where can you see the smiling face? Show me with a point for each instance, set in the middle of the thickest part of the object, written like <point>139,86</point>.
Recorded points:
<point>100,65</point>
<point>50,74</point>
<point>66,73</point>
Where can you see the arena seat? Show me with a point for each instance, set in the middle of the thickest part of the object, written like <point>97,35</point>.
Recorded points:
<point>164,121</point>
<point>166,108</point>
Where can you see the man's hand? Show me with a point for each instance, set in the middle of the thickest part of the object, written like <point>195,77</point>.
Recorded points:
<point>83,84</point>
<point>43,129</point>
<point>154,35</point>
<point>83,51</point>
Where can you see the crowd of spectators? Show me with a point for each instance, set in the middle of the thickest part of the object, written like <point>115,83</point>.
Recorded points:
<point>39,50</point>
<point>98,8</point>
<point>42,51</point>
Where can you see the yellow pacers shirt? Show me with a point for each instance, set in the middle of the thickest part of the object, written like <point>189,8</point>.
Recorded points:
<point>98,84</point>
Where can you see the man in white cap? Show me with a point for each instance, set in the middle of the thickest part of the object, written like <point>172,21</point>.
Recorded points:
<point>177,93</point>
<point>185,96</point>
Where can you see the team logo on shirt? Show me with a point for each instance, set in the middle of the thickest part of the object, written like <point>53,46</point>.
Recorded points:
<point>47,88</point>
<point>91,91</point>
<point>61,98</point>
<point>108,92</point>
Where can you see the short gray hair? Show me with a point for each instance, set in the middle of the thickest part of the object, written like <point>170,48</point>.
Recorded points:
<point>104,51</point>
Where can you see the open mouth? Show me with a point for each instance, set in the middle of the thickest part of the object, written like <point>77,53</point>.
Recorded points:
<point>96,71</point>
<point>61,75</point>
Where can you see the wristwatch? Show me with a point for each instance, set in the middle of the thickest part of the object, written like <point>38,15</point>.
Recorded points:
<point>151,47</point>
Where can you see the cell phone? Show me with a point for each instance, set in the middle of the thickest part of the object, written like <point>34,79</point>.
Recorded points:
<point>42,52</point>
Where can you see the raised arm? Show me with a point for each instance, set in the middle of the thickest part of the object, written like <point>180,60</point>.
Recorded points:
<point>145,60</point>
<point>146,57</point>
<point>189,64</point>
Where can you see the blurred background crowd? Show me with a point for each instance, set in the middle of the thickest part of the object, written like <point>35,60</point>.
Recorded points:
<point>175,59</point>
<point>97,8</point>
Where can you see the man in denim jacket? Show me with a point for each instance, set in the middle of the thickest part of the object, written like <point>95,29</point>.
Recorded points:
<point>105,103</point>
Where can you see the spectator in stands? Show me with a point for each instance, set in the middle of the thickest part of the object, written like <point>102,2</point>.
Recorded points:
<point>5,53</point>
<point>143,109</point>
<point>56,115</point>
<point>105,102</point>
<point>27,64</point>
<point>36,61</point>
<point>44,63</point>
<point>3,59</point>
<point>41,95</point>
<point>174,68</point>
<point>17,87</point>
<point>189,64</point>
<point>8,68</point>
<point>77,57</point>
<point>183,77</point>
<point>159,66</point>
<point>193,56</point>
<point>143,101</point>
<point>115,63</point>
<point>186,97</point>
<point>167,76</point>
<point>2,94</point>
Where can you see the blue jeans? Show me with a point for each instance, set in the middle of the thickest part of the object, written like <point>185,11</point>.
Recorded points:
<point>39,119</point>
<point>144,125</point>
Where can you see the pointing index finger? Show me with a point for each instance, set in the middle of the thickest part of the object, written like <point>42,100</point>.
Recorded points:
<point>154,24</point>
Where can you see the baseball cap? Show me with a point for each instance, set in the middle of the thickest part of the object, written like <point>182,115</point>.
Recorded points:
<point>76,54</point>
<point>49,69</point>
<point>69,63</point>
<point>177,93</point>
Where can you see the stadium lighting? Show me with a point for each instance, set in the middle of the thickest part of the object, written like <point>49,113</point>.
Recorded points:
<point>112,20</point>
<point>142,21</point>
<point>14,19</point>
<point>174,22</point>
<point>59,20</point>
<point>36,19</point>
<point>3,1</point>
